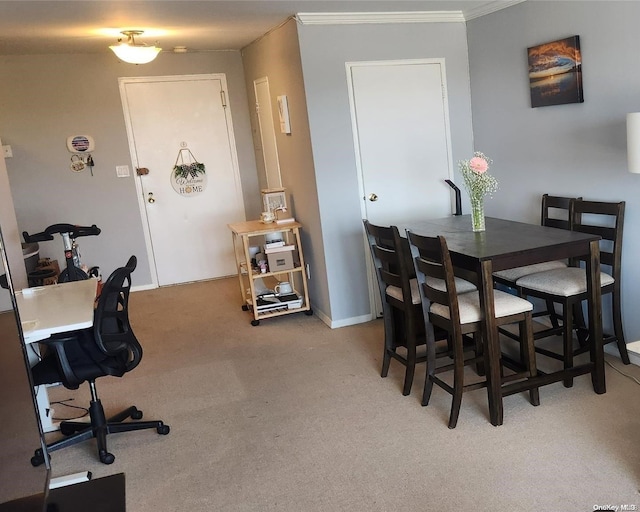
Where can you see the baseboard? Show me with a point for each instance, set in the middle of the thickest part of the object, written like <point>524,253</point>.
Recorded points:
<point>340,323</point>
<point>354,320</point>
<point>633,349</point>
<point>143,287</point>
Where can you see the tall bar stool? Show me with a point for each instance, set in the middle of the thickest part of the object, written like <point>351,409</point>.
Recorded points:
<point>568,286</point>
<point>460,315</point>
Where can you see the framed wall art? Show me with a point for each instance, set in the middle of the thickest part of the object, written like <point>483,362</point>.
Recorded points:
<point>555,72</point>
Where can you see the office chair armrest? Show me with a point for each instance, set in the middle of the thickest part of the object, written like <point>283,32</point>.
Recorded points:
<point>59,343</point>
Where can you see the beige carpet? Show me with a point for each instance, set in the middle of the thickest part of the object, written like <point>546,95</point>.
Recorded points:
<point>293,416</point>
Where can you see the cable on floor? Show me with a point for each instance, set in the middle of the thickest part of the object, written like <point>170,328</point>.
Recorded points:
<point>634,379</point>
<point>65,404</point>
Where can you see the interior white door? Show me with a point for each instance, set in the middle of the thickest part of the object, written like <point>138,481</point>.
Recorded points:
<point>400,125</point>
<point>267,133</point>
<point>179,119</point>
<point>401,131</point>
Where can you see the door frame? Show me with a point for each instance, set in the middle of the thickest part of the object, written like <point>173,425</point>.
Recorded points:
<point>122,82</point>
<point>374,292</point>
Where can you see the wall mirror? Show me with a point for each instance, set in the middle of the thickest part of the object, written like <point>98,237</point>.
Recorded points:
<point>20,430</point>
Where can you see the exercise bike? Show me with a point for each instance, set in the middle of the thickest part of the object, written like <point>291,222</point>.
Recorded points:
<point>69,233</point>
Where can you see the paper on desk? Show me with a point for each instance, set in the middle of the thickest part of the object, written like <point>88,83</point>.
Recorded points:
<point>29,325</point>
<point>27,292</point>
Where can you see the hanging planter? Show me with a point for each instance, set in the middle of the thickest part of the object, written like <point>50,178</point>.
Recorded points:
<point>186,171</point>
<point>188,177</point>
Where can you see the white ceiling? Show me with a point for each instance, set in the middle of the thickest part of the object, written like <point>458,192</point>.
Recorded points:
<point>75,26</point>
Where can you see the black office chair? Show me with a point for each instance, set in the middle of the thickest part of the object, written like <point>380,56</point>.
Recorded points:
<point>108,348</point>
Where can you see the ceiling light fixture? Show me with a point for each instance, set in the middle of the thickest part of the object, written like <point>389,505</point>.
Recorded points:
<point>132,52</point>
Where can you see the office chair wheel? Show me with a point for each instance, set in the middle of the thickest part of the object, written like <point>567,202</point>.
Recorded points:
<point>163,430</point>
<point>136,415</point>
<point>255,322</point>
<point>309,312</point>
<point>106,457</point>
<point>37,459</point>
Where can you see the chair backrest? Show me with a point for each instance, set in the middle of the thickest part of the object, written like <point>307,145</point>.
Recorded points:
<point>556,211</point>
<point>111,327</point>
<point>606,220</point>
<point>392,261</point>
<point>432,264</point>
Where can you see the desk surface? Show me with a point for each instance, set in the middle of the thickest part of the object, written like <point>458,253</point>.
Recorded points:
<point>46,310</point>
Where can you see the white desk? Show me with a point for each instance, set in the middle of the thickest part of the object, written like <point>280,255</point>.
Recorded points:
<point>53,309</point>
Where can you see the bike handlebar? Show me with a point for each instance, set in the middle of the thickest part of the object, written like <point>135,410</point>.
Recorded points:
<point>74,232</point>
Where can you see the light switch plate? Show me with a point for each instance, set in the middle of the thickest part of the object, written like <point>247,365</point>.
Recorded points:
<point>122,171</point>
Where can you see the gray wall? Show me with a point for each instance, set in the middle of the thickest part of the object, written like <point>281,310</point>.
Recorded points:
<point>575,149</point>
<point>324,51</point>
<point>46,98</point>
<point>277,56</point>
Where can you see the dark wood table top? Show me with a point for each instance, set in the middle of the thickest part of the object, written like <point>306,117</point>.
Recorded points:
<point>505,242</point>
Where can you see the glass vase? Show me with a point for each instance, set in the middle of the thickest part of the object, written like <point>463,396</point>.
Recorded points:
<point>477,213</point>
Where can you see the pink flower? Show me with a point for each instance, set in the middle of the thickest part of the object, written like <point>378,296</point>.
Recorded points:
<point>478,165</point>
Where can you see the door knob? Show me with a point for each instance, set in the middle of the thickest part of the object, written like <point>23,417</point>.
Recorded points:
<point>151,199</point>
<point>373,197</point>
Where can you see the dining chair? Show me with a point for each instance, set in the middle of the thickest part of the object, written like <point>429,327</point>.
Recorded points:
<point>460,315</point>
<point>555,212</point>
<point>568,286</point>
<point>401,307</point>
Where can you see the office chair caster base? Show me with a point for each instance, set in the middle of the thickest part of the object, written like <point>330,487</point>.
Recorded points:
<point>106,457</point>
<point>37,459</point>
<point>136,415</point>
<point>163,430</point>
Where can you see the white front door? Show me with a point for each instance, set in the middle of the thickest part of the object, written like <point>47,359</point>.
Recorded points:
<point>401,133</point>
<point>184,120</point>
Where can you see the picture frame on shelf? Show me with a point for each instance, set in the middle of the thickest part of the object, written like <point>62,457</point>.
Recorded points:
<point>273,198</point>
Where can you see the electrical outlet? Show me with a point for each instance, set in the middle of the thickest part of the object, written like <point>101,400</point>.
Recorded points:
<point>8,153</point>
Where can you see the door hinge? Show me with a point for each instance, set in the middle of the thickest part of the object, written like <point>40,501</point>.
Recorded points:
<point>257,107</point>
<point>223,98</point>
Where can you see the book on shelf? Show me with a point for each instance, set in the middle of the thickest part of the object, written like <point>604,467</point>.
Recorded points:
<point>273,244</point>
<point>276,302</point>
<point>280,248</point>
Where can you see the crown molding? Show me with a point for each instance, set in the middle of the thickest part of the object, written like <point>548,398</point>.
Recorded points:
<point>353,18</point>
<point>476,12</point>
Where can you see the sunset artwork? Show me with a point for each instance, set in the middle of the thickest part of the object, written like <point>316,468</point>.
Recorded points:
<point>555,72</point>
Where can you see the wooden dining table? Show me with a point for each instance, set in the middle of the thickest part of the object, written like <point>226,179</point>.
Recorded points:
<point>508,244</point>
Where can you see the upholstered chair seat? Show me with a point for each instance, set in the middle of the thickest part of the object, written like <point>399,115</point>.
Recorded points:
<point>564,282</point>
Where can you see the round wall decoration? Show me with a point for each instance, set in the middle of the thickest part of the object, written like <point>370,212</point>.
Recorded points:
<point>188,179</point>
